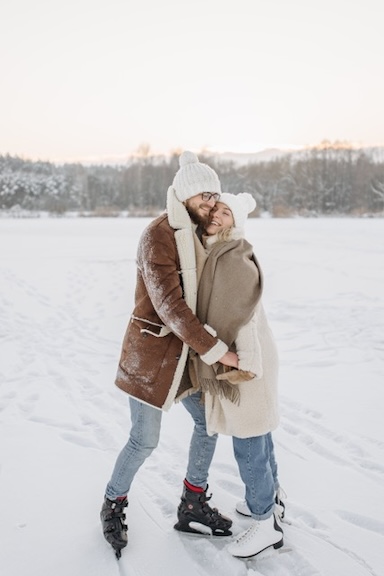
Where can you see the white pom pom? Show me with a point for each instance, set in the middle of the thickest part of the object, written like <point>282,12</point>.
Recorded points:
<point>248,200</point>
<point>187,157</point>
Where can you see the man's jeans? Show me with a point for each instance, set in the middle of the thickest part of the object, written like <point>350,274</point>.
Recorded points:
<point>144,437</point>
<point>255,457</point>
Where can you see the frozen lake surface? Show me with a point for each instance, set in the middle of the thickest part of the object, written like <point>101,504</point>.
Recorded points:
<point>66,294</point>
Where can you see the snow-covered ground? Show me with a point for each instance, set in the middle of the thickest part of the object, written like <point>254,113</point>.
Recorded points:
<point>66,292</point>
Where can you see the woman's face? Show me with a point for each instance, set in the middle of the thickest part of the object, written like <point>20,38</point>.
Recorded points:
<point>220,218</point>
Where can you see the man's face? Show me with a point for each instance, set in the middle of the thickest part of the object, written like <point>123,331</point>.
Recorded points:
<point>199,209</point>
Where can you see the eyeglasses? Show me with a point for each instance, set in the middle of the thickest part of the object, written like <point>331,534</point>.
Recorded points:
<point>206,196</point>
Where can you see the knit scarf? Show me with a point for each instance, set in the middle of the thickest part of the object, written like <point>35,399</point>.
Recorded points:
<point>229,290</point>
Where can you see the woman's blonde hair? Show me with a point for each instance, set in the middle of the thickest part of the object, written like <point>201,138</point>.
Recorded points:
<point>225,235</point>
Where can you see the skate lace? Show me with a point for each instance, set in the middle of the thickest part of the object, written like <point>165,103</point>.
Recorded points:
<point>248,533</point>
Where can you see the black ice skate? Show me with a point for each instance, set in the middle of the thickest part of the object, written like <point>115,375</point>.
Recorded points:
<point>114,528</point>
<point>197,517</point>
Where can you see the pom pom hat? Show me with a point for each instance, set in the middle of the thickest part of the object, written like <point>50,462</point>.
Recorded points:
<point>194,177</point>
<point>240,205</point>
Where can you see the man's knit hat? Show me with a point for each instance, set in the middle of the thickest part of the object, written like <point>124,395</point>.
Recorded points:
<point>194,177</point>
<point>240,205</point>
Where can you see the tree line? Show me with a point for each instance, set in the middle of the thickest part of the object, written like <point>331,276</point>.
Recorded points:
<point>325,180</point>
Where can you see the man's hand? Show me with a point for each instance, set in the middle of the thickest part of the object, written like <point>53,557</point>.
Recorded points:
<point>230,359</point>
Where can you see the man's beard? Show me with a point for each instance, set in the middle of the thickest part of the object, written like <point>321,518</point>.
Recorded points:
<point>201,220</point>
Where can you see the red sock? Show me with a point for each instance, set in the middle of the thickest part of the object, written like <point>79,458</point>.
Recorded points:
<point>192,487</point>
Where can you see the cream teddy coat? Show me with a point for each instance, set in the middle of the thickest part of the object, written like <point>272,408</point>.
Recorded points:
<point>256,413</point>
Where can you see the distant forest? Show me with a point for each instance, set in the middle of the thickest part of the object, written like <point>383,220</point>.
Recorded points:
<point>327,180</point>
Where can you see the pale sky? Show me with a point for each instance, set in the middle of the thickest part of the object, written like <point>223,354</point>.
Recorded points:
<point>88,79</point>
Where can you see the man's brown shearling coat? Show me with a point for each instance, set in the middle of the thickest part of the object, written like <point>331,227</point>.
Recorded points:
<point>163,324</point>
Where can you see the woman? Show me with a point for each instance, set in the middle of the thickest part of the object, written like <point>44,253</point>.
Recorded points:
<point>241,402</point>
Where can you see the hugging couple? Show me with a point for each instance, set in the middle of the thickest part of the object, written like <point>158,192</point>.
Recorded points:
<point>198,334</point>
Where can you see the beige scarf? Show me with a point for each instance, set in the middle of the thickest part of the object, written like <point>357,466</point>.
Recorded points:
<point>229,290</point>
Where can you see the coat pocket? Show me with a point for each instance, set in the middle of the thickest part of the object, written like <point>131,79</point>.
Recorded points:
<point>152,328</point>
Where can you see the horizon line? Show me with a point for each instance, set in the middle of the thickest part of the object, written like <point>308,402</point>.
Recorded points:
<point>145,151</point>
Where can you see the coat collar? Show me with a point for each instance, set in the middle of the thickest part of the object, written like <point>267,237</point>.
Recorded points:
<point>178,216</point>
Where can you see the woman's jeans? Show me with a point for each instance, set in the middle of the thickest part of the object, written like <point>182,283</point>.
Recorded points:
<point>254,456</point>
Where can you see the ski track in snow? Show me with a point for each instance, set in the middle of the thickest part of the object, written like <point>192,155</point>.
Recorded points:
<point>62,318</point>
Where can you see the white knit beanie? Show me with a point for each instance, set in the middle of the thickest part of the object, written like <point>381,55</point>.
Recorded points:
<point>194,177</point>
<point>240,205</point>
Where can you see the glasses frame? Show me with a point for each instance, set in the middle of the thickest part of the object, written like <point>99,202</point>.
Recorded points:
<point>206,196</point>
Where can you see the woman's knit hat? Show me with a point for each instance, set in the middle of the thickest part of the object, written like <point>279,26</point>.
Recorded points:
<point>194,177</point>
<point>240,205</point>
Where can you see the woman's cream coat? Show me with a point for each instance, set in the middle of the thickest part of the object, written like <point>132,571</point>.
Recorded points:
<point>257,412</point>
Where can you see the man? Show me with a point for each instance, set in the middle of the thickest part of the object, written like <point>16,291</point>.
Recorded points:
<point>152,367</point>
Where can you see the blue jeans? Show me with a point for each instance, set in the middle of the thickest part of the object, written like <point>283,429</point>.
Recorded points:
<point>144,437</point>
<point>255,457</point>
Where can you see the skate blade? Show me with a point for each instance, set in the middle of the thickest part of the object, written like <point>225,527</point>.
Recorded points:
<point>267,554</point>
<point>197,529</point>
<point>117,550</point>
